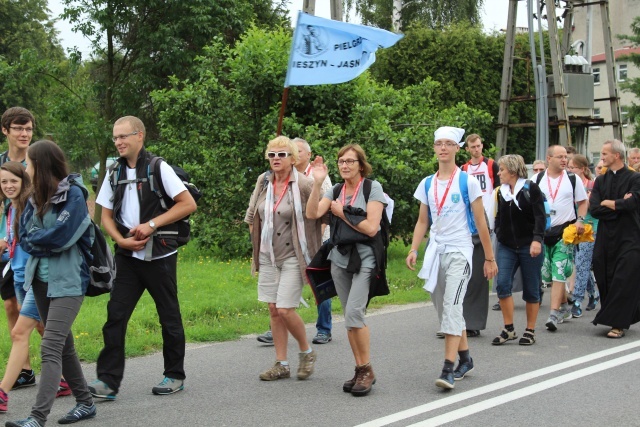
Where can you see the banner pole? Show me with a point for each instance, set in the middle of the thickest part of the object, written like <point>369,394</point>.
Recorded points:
<point>285,95</point>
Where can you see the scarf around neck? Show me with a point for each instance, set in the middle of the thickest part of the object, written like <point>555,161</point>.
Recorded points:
<point>266,238</point>
<point>507,195</point>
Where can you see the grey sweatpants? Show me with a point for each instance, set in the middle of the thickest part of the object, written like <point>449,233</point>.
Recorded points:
<point>57,351</point>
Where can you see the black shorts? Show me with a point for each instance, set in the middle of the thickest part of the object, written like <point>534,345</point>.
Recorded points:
<point>7,290</point>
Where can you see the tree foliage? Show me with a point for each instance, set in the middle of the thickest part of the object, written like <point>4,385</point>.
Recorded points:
<point>468,65</point>
<point>436,14</point>
<point>233,114</point>
<point>633,84</point>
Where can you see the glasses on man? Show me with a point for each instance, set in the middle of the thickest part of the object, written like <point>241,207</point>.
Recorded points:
<point>279,154</point>
<point>117,137</point>
<point>21,129</point>
<point>560,157</point>
<point>444,144</point>
<point>349,162</point>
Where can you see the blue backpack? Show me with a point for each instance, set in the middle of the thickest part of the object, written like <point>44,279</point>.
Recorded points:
<point>463,182</point>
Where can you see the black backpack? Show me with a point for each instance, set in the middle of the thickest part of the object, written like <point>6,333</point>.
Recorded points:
<point>102,268</point>
<point>155,183</point>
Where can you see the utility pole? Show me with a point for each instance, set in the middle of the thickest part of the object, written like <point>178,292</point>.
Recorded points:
<point>309,6</point>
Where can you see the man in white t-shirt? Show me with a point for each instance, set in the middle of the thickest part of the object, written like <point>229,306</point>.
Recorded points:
<point>563,194</point>
<point>146,257</point>
<point>448,258</point>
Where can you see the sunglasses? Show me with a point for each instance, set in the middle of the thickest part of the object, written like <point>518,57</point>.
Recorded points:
<point>280,154</point>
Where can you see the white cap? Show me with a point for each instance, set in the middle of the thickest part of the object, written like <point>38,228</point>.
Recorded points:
<point>448,132</point>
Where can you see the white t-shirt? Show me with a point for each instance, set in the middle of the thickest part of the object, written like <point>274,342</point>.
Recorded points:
<point>481,173</point>
<point>451,225</point>
<point>130,213</point>
<point>562,205</point>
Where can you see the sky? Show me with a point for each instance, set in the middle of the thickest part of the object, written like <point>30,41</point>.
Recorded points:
<point>494,17</point>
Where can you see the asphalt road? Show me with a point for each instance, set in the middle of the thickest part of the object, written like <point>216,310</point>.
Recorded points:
<point>573,377</point>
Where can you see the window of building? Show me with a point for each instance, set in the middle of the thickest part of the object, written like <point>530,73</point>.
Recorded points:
<point>622,72</point>
<point>596,76</point>
<point>596,115</point>
<point>624,116</point>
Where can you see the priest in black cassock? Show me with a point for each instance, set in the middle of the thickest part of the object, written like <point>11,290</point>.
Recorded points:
<point>615,201</point>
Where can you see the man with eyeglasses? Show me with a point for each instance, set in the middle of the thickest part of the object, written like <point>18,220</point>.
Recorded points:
<point>450,213</point>
<point>17,126</point>
<point>563,195</point>
<point>476,301</point>
<point>146,257</point>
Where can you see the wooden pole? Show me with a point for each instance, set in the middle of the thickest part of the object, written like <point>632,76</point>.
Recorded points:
<point>285,95</point>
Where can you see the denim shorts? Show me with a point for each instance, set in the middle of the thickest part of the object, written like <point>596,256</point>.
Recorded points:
<point>509,259</point>
<point>27,302</point>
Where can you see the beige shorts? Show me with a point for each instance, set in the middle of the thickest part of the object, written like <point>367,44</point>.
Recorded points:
<point>281,284</point>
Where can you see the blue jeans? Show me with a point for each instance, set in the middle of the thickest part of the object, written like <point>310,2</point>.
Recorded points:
<point>509,260</point>
<point>323,324</point>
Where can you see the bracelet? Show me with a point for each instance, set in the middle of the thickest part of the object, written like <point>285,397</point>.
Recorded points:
<point>489,260</point>
<point>413,250</point>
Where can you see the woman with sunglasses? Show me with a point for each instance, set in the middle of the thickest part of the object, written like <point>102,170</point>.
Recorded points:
<point>579,165</point>
<point>355,282</point>
<point>284,241</point>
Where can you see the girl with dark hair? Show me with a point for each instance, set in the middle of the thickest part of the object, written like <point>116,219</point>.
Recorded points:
<point>55,230</point>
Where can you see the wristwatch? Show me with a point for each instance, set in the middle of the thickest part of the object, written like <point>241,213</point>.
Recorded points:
<point>152,225</point>
<point>580,218</point>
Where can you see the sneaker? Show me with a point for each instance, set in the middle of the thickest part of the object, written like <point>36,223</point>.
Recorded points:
<point>463,369</point>
<point>440,335</point>
<point>63,389</point>
<point>307,362</point>
<point>27,378</point>
<point>78,413</point>
<point>4,401</point>
<point>576,311</point>
<point>266,338</point>
<point>593,301</point>
<point>445,381</point>
<point>496,306</point>
<point>27,422</point>
<point>168,386</point>
<point>276,372</point>
<point>552,323</point>
<point>100,389</point>
<point>322,338</point>
<point>565,314</point>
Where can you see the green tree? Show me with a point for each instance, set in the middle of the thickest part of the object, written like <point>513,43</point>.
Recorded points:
<point>436,14</point>
<point>138,44</point>
<point>468,65</point>
<point>633,84</point>
<point>27,37</point>
<point>232,109</point>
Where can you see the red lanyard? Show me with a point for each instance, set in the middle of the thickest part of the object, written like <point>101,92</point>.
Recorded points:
<point>435,190</point>
<point>355,193</point>
<point>12,245</point>
<point>477,166</point>
<point>284,190</point>
<point>551,193</point>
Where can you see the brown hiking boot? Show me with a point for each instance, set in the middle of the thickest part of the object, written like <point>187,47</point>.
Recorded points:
<point>348,385</point>
<point>364,381</point>
<point>276,372</point>
<point>305,368</point>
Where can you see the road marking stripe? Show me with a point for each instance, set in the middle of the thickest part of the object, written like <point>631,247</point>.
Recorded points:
<point>412,412</point>
<point>526,391</point>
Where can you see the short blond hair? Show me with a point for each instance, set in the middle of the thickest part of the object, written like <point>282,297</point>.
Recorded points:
<point>136,124</point>
<point>514,163</point>
<point>283,142</point>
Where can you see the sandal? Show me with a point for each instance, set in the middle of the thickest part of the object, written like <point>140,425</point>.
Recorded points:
<point>615,333</point>
<point>471,333</point>
<point>504,337</point>
<point>528,338</point>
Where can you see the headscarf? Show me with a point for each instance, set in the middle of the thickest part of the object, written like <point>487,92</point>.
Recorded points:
<point>448,132</point>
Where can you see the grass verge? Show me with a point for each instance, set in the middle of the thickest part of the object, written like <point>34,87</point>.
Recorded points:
<point>219,302</point>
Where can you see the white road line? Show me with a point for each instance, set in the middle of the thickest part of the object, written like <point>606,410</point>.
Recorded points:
<point>526,391</point>
<point>441,403</point>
